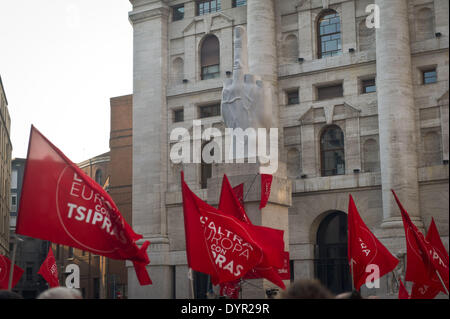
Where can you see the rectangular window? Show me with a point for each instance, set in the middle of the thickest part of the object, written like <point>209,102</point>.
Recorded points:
<point>209,111</point>
<point>239,3</point>
<point>178,13</point>
<point>368,86</point>
<point>429,76</point>
<point>207,7</point>
<point>14,179</point>
<point>292,97</point>
<point>330,92</point>
<point>13,203</point>
<point>210,72</point>
<point>178,116</point>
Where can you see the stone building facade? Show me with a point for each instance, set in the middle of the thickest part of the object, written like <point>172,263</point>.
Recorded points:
<point>360,110</point>
<point>5,171</point>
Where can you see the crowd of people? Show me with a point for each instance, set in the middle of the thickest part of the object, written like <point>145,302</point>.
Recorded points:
<point>300,289</point>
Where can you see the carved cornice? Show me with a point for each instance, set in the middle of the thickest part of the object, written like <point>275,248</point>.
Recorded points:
<point>145,15</point>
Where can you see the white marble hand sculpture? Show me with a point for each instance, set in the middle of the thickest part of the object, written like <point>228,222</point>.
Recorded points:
<point>245,102</point>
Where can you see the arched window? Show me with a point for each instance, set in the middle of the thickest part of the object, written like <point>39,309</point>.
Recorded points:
<point>329,34</point>
<point>331,263</point>
<point>210,57</point>
<point>99,176</point>
<point>332,151</point>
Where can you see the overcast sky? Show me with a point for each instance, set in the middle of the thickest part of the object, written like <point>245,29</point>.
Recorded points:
<point>60,62</point>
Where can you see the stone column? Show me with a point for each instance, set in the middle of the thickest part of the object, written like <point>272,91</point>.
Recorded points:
<point>396,114</point>
<point>261,32</point>
<point>150,23</point>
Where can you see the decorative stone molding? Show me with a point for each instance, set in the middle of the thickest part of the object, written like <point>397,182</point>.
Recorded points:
<point>208,22</point>
<point>141,16</point>
<point>310,117</point>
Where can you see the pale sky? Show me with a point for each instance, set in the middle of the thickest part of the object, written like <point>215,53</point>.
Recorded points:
<point>60,62</point>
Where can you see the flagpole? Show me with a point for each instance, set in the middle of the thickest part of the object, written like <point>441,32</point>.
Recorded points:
<point>13,261</point>
<point>254,178</point>
<point>191,282</point>
<point>442,282</point>
<point>351,270</point>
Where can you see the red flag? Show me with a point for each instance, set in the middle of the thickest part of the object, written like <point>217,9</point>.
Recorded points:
<point>49,270</point>
<point>229,203</point>
<point>230,289</point>
<point>5,267</point>
<point>63,205</point>
<point>365,249</point>
<point>423,261</point>
<point>216,243</point>
<point>423,291</point>
<point>402,292</point>
<point>271,239</point>
<point>239,192</point>
<point>266,184</point>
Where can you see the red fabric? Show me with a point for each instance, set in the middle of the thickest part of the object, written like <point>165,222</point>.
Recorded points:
<point>423,291</point>
<point>49,270</point>
<point>423,260</point>
<point>266,184</point>
<point>217,244</point>
<point>402,292</point>
<point>365,249</point>
<point>63,205</point>
<point>229,203</point>
<point>5,267</point>
<point>271,239</point>
<point>230,289</point>
<point>239,192</point>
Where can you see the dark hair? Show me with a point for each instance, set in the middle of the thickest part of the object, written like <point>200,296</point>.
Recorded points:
<point>6,294</point>
<point>306,289</point>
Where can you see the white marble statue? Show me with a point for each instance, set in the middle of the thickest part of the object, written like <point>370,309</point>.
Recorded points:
<point>245,99</point>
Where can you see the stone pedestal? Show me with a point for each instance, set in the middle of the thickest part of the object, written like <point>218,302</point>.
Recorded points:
<point>274,215</point>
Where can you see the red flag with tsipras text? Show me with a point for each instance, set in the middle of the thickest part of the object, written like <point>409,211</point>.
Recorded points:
<point>5,268</point>
<point>217,244</point>
<point>266,184</point>
<point>61,204</point>
<point>49,270</point>
<point>424,263</point>
<point>431,290</point>
<point>365,249</point>
<point>269,238</point>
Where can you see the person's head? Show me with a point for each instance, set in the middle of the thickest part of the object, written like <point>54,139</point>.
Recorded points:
<point>355,294</point>
<point>60,293</point>
<point>306,289</point>
<point>6,294</point>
